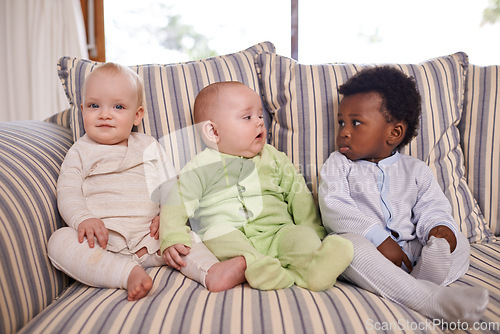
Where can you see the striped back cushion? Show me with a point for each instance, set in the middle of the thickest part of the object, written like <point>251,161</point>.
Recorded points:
<point>169,93</point>
<point>62,118</point>
<point>303,102</point>
<point>481,144</point>
<point>31,154</point>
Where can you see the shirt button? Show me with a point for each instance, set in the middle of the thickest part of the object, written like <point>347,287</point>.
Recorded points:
<point>244,212</point>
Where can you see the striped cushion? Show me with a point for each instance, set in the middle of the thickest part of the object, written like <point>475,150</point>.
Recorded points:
<point>303,102</point>
<point>31,154</point>
<point>179,305</point>
<point>169,92</point>
<point>481,145</point>
<point>62,118</point>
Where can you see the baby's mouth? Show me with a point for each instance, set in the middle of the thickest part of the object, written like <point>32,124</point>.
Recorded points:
<point>344,149</point>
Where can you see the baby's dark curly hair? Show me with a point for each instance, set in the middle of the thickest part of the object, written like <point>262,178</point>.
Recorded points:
<point>401,99</point>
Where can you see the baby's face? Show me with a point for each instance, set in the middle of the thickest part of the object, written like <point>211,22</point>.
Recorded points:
<point>363,130</point>
<point>110,108</point>
<point>239,122</point>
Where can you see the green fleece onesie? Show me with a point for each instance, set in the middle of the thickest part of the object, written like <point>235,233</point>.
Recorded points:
<point>259,208</point>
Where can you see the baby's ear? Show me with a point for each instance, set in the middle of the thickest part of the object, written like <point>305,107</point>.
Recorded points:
<point>139,114</point>
<point>397,134</point>
<point>209,133</point>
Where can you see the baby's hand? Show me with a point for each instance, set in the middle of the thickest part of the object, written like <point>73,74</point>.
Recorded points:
<point>172,255</point>
<point>155,228</point>
<point>91,228</point>
<point>442,231</point>
<point>392,251</point>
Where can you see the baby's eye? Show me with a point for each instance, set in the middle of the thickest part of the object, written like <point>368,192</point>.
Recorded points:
<point>119,107</point>
<point>93,105</point>
<point>247,117</point>
<point>341,123</point>
<point>356,123</point>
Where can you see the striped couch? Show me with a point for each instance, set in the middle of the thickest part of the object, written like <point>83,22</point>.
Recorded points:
<point>457,139</point>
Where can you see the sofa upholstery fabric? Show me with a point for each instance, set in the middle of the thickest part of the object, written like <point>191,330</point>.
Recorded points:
<point>300,104</point>
<point>480,138</point>
<point>31,154</point>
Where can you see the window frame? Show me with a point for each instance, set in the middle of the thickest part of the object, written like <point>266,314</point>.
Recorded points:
<point>97,52</point>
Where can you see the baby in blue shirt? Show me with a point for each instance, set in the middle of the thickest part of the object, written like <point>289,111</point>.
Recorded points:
<point>407,246</point>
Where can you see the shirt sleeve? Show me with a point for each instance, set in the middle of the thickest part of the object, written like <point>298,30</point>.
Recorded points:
<point>339,211</point>
<point>70,198</point>
<point>432,207</point>
<point>167,174</point>
<point>173,220</point>
<point>182,201</point>
<point>377,234</point>
<point>300,202</point>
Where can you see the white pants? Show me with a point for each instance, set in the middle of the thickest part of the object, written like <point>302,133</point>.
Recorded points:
<point>101,268</point>
<point>372,271</point>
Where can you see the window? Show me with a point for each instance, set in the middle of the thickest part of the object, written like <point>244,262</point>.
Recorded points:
<point>396,31</point>
<point>165,31</point>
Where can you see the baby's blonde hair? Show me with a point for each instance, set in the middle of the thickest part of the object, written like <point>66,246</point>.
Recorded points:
<point>114,68</point>
<point>207,100</point>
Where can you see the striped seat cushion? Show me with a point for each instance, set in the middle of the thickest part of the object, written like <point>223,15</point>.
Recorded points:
<point>169,93</point>
<point>480,135</point>
<point>179,305</point>
<point>31,154</point>
<point>303,102</point>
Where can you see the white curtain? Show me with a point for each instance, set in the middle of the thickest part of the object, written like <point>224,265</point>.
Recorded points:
<point>34,34</point>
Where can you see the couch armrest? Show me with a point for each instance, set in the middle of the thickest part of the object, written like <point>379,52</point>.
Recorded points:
<point>31,154</point>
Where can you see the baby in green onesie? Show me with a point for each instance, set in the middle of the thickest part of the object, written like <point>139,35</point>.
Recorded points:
<point>245,198</point>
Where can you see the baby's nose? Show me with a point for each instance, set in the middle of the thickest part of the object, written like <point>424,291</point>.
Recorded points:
<point>104,114</point>
<point>344,133</point>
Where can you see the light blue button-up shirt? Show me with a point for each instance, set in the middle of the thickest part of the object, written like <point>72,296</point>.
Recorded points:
<point>397,197</point>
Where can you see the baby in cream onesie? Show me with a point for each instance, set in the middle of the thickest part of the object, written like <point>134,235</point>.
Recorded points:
<point>110,190</point>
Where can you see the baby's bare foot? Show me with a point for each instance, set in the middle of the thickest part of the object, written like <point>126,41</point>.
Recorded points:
<point>226,275</point>
<point>138,284</point>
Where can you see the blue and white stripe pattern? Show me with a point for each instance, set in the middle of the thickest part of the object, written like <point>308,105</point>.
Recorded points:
<point>169,93</point>
<point>30,156</point>
<point>303,101</point>
<point>179,305</point>
<point>480,138</point>
<point>61,118</point>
